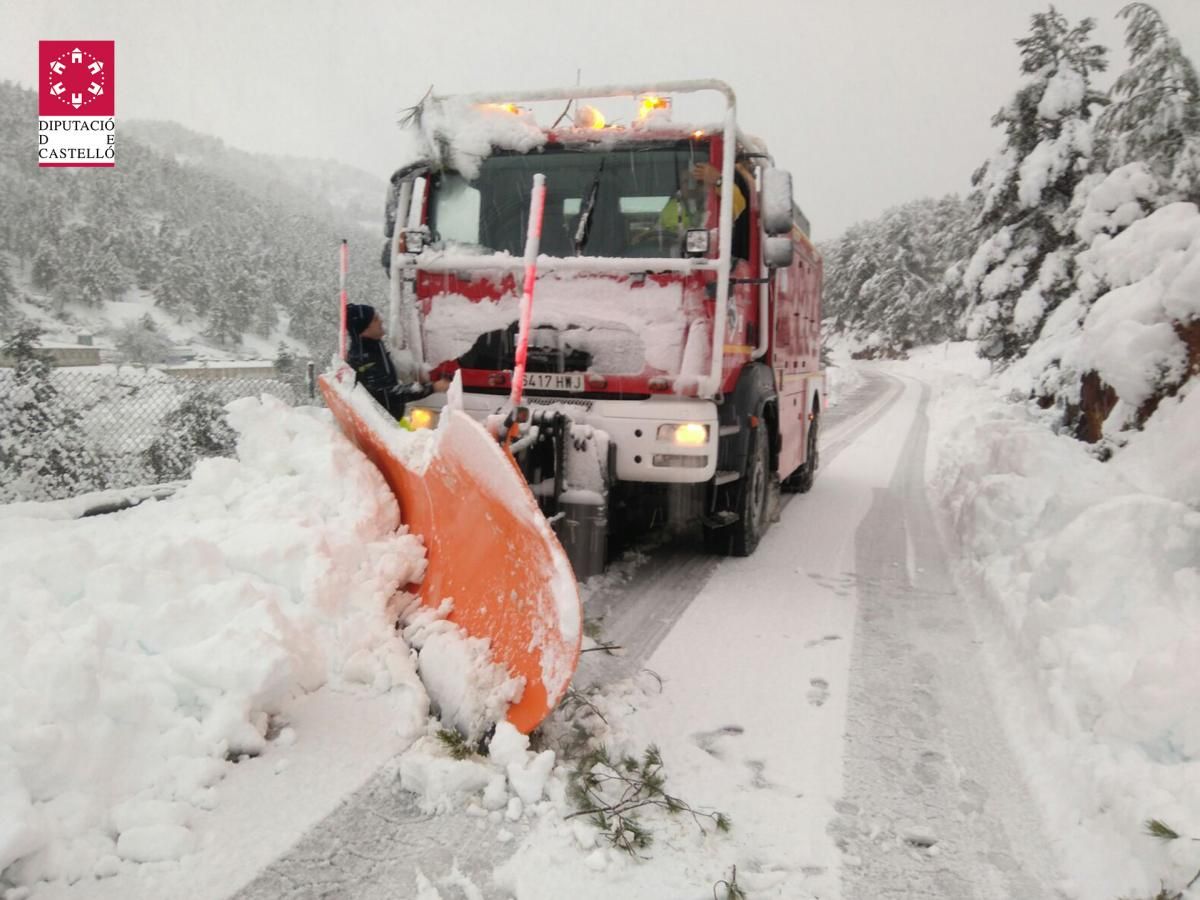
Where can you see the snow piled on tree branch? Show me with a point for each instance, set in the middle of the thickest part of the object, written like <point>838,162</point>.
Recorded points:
<point>1031,305</point>
<point>995,178</point>
<point>1116,200</point>
<point>1063,94</point>
<point>1051,159</point>
<point>1135,289</point>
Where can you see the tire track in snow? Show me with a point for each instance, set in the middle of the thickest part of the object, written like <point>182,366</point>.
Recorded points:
<point>933,805</point>
<point>638,614</point>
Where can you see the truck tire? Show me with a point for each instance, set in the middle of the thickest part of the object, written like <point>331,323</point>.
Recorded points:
<point>801,481</point>
<point>750,499</point>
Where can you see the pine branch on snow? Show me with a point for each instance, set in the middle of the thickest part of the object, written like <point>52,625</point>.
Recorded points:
<point>611,792</point>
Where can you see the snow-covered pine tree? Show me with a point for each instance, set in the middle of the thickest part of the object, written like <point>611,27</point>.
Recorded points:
<point>1142,146</point>
<point>290,370</point>
<point>1154,116</point>
<point>44,454</point>
<point>886,280</point>
<point>196,429</point>
<point>8,289</point>
<point>45,268</point>
<point>1021,268</point>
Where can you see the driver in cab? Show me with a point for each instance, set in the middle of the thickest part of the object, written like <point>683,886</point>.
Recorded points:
<point>686,208</point>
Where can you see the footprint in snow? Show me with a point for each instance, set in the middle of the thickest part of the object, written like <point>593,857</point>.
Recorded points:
<point>819,692</point>
<point>757,777</point>
<point>707,740</point>
<point>827,639</point>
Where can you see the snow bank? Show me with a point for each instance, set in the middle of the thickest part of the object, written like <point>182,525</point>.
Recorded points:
<point>510,780</point>
<point>1091,573</point>
<point>142,652</point>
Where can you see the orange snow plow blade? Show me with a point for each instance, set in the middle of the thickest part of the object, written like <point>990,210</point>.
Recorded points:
<point>488,546</point>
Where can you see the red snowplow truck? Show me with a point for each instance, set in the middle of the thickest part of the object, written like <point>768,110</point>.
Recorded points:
<point>673,369</point>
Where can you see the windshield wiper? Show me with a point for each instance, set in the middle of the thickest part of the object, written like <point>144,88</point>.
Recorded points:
<point>589,205</point>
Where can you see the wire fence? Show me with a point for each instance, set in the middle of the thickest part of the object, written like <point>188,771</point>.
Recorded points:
<point>85,430</point>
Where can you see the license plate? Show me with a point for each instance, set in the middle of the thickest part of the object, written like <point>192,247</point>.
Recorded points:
<point>553,381</point>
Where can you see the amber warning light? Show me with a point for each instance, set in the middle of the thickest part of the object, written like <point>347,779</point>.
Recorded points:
<point>649,104</point>
<point>590,117</point>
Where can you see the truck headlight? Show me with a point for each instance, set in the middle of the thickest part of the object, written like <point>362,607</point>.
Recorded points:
<point>689,434</point>
<point>696,242</point>
<point>420,417</point>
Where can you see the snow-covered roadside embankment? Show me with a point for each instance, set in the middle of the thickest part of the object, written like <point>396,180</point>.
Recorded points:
<point>1090,573</point>
<point>140,652</point>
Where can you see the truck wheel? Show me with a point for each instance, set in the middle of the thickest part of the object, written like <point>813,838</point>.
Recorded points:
<point>754,496</point>
<point>807,473</point>
<point>750,498</point>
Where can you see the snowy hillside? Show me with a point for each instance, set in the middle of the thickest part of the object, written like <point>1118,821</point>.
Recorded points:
<point>354,197</point>
<point>226,253</point>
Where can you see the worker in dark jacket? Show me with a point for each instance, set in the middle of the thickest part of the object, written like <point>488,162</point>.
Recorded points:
<point>372,366</point>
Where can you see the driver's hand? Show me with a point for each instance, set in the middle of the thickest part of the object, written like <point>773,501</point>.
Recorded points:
<point>706,173</point>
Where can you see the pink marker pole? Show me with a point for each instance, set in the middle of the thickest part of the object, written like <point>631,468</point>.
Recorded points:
<point>345,254</point>
<point>533,240</point>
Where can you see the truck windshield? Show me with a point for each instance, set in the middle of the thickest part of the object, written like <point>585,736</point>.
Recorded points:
<point>642,200</point>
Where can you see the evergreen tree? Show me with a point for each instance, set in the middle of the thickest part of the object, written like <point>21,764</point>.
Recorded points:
<point>291,370</point>
<point>1154,116</point>
<point>1025,192</point>
<point>285,360</point>
<point>8,290</point>
<point>224,320</point>
<point>44,454</point>
<point>45,268</point>
<point>197,429</point>
<point>886,280</point>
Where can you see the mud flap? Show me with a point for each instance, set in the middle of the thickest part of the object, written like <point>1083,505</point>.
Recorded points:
<point>488,546</point>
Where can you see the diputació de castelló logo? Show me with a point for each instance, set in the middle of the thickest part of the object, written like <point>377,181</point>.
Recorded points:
<point>76,103</point>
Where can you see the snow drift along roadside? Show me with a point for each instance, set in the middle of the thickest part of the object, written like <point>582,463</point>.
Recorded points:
<point>139,652</point>
<point>1091,574</point>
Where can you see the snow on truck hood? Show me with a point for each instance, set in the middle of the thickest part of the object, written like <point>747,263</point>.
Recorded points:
<point>623,327</point>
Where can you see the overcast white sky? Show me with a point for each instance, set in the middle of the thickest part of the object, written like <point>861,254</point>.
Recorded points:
<point>869,102</point>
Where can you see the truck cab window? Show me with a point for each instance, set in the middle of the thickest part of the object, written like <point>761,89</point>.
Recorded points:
<point>624,200</point>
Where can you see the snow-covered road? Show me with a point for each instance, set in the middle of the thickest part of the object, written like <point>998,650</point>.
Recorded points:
<point>829,694</point>
<point>826,693</point>
<point>933,804</point>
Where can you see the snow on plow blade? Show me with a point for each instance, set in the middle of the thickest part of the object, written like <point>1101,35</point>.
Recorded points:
<point>488,546</point>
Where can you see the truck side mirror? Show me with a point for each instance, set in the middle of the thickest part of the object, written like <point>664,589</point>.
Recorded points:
<point>777,201</point>
<point>778,252</point>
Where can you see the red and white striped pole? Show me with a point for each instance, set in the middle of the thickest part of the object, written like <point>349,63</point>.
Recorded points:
<point>345,265</point>
<point>533,240</point>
